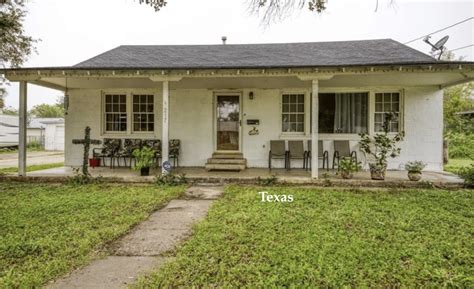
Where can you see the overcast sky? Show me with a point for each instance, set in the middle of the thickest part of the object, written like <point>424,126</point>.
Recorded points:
<point>74,30</point>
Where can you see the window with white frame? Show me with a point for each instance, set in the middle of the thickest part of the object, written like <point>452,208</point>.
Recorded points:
<point>115,112</point>
<point>346,112</point>
<point>292,113</point>
<point>143,113</point>
<point>387,102</point>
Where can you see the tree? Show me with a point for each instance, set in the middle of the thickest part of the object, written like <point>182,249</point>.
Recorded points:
<point>48,110</point>
<point>15,45</point>
<point>10,111</point>
<point>273,10</point>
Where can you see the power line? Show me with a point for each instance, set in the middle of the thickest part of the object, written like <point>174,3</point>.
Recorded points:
<point>459,48</point>
<point>442,29</point>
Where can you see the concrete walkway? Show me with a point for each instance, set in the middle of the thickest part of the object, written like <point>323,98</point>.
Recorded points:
<point>10,160</point>
<point>142,249</point>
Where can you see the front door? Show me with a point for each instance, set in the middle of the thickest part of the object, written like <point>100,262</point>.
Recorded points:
<point>228,122</point>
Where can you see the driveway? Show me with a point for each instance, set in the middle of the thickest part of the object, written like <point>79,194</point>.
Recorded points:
<point>10,160</point>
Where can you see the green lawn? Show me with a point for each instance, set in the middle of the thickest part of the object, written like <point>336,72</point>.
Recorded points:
<point>454,165</point>
<point>47,230</point>
<point>32,168</point>
<point>329,238</point>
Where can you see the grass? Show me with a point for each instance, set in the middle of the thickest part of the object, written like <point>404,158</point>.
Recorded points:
<point>454,165</point>
<point>328,238</point>
<point>47,230</point>
<point>32,168</point>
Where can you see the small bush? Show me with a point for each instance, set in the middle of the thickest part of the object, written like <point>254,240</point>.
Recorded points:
<point>415,166</point>
<point>270,181</point>
<point>461,145</point>
<point>467,173</point>
<point>80,179</point>
<point>34,145</point>
<point>171,180</point>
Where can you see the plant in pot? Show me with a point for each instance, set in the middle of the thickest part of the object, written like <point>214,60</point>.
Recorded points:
<point>347,167</point>
<point>414,170</point>
<point>143,160</point>
<point>380,147</point>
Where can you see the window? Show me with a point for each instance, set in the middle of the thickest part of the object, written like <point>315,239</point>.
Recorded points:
<point>115,112</point>
<point>387,103</point>
<point>292,113</point>
<point>343,112</point>
<point>143,113</point>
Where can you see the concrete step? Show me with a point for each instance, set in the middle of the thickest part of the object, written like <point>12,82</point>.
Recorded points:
<point>224,167</point>
<point>227,156</point>
<point>227,161</point>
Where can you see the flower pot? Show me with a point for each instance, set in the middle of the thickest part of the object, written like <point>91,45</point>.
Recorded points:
<point>377,172</point>
<point>346,175</point>
<point>144,172</point>
<point>94,163</point>
<point>414,176</point>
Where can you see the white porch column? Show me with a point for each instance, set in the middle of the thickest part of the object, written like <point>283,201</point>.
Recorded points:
<point>314,128</point>
<point>22,129</point>
<point>165,126</point>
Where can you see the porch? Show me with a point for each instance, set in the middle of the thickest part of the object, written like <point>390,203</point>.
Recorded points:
<point>394,178</point>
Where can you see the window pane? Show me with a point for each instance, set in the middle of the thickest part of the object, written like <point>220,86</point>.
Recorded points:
<point>293,127</point>
<point>285,118</point>
<point>300,118</point>
<point>293,98</point>
<point>394,126</point>
<point>378,117</point>
<point>292,117</point>
<point>286,98</point>
<point>300,98</point>
<point>151,127</point>
<point>378,97</point>
<point>115,107</point>
<point>378,127</point>
<point>286,107</point>
<point>142,98</point>
<point>292,107</point>
<point>300,127</point>
<point>386,97</point>
<point>379,107</point>
<point>123,98</point>
<point>136,99</point>
<point>395,97</point>
<point>395,106</point>
<point>387,107</point>
<point>300,107</point>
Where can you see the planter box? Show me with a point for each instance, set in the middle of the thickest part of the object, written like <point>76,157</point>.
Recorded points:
<point>94,163</point>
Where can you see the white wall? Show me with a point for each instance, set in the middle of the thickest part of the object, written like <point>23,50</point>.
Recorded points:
<point>192,121</point>
<point>54,137</point>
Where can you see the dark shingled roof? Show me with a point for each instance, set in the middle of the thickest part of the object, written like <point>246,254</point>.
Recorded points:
<point>284,55</point>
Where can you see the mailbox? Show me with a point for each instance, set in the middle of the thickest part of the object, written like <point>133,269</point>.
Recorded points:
<point>253,122</point>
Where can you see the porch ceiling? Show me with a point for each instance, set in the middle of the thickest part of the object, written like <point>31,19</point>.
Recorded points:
<point>394,79</point>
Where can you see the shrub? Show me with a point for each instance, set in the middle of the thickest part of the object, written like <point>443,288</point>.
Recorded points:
<point>383,145</point>
<point>467,173</point>
<point>171,180</point>
<point>415,166</point>
<point>461,145</point>
<point>34,145</point>
<point>347,164</point>
<point>270,181</point>
<point>143,158</point>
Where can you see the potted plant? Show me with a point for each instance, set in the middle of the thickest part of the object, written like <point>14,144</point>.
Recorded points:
<point>414,170</point>
<point>143,160</point>
<point>381,147</point>
<point>347,167</point>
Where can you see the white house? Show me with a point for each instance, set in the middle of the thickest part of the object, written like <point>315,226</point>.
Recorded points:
<point>47,131</point>
<point>237,98</point>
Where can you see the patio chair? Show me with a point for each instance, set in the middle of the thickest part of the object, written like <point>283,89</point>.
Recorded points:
<point>322,154</point>
<point>109,149</point>
<point>155,145</point>
<point>342,150</point>
<point>296,152</point>
<point>174,148</point>
<point>277,151</point>
<point>129,145</point>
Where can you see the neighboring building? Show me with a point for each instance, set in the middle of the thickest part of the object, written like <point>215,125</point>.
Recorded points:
<point>49,132</point>
<point>236,98</point>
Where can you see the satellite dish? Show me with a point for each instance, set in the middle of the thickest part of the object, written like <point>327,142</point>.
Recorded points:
<point>438,46</point>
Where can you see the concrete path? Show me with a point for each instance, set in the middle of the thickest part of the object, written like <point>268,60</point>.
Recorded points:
<point>142,249</point>
<point>10,160</point>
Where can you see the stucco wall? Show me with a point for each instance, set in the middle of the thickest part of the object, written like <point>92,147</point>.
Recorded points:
<point>192,121</point>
